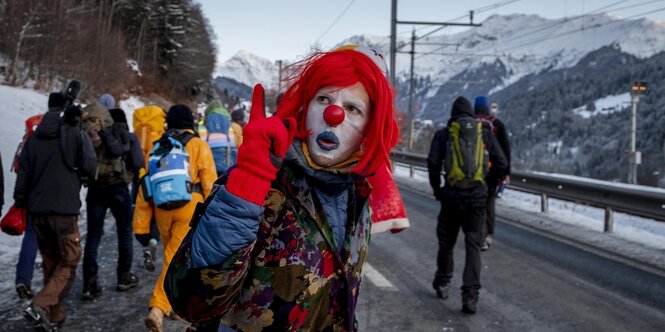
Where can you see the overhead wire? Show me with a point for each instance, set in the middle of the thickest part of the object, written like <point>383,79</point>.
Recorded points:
<point>335,21</point>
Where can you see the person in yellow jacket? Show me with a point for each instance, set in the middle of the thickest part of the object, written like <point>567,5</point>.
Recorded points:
<point>173,224</point>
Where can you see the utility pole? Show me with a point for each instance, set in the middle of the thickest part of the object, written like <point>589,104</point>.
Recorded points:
<point>638,89</point>
<point>279,76</point>
<point>393,39</point>
<point>411,86</point>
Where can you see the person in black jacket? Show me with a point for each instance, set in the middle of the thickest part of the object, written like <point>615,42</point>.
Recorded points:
<point>482,110</point>
<point>460,207</point>
<point>48,183</point>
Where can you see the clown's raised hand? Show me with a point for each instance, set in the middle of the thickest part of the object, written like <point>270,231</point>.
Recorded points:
<point>265,142</point>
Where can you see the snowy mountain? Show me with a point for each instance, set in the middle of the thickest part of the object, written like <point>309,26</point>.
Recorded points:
<point>524,44</point>
<point>249,69</point>
<point>520,44</point>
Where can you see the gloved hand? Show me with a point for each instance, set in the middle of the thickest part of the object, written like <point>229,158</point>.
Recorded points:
<point>265,142</point>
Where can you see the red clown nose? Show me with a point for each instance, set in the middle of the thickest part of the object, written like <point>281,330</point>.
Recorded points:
<point>334,115</point>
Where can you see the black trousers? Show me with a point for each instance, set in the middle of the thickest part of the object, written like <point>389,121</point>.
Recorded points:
<point>470,219</point>
<point>99,200</point>
<point>490,217</point>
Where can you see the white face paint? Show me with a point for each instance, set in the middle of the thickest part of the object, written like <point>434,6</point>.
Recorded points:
<point>328,145</point>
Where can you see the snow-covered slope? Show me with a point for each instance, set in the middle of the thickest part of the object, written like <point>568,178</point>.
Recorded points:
<point>249,69</point>
<point>18,105</point>
<point>525,44</point>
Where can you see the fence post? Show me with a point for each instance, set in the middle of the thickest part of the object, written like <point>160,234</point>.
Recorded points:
<point>609,220</point>
<point>544,206</point>
<point>411,170</point>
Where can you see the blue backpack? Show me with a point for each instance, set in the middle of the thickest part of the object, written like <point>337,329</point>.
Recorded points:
<point>168,183</point>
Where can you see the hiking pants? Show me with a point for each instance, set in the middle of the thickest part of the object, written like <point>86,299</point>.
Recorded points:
<point>114,197</point>
<point>27,256</point>
<point>451,219</point>
<point>490,216</point>
<point>59,243</point>
<point>224,157</point>
<point>173,226</point>
<point>143,239</point>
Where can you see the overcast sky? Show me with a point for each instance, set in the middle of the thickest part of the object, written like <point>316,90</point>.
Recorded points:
<point>287,29</point>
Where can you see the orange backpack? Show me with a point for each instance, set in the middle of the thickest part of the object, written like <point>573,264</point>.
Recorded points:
<point>149,122</point>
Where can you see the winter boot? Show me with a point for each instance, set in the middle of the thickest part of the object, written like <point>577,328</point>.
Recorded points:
<point>39,317</point>
<point>126,281</point>
<point>441,289</point>
<point>91,289</point>
<point>154,320</point>
<point>24,291</point>
<point>469,301</point>
<point>469,307</point>
<point>149,258</point>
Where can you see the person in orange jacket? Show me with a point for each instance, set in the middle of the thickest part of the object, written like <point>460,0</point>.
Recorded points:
<point>173,224</point>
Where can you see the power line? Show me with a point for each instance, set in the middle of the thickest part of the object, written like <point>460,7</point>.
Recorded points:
<point>483,9</point>
<point>335,21</point>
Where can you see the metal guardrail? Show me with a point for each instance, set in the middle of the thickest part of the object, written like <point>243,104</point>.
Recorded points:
<point>637,200</point>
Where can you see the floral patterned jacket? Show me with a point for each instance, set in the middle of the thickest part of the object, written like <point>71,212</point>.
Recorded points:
<point>291,278</point>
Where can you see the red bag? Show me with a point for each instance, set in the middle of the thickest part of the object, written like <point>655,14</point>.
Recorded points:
<point>388,211</point>
<point>31,125</point>
<point>14,222</point>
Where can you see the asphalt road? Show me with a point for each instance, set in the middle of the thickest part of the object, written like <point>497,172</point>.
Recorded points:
<point>530,283</point>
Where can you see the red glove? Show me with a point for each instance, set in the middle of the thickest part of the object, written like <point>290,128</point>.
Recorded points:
<point>260,156</point>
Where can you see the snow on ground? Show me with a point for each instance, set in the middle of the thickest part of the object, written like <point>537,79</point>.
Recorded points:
<point>129,105</point>
<point>606,105</point>
<point>648,232</point>
<point>18,105</point>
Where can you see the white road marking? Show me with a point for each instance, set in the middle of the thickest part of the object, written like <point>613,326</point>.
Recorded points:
<point>377,278</point>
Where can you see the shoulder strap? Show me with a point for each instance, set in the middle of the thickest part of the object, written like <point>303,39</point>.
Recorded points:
<point>184,138</point>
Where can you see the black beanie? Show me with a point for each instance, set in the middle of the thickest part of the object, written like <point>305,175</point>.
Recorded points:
<point>118,115</point>
<point>56,99</point>
<point>238,116</point>
<point>180,117</point>
<point>461,107</point>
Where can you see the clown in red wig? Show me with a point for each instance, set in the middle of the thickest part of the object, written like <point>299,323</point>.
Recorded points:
<point>281,243</point>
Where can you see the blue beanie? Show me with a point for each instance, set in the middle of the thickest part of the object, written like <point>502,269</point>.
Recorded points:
<point>107,101</point>
<point>482,105</point>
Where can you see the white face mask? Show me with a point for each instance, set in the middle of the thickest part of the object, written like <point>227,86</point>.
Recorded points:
<point>332,143</point>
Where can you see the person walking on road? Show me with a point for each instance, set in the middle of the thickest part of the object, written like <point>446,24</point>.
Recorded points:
<point>464,150</point>
<point>108,189</point>
<point>52,164</point>
<point>493,179</point>
<point>173,223</point>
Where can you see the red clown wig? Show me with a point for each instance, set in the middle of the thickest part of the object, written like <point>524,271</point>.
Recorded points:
<point>341,69</point>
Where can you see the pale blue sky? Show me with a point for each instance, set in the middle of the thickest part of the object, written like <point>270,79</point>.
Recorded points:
<point>286,29</point>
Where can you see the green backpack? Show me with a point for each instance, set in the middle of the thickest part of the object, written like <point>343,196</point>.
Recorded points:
<point>110,170</point>
<point>467,160</point>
